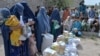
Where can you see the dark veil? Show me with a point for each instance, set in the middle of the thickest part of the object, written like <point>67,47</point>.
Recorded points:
<point>26,14</point>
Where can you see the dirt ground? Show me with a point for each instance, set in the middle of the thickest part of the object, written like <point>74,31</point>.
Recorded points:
<point>90,46</point>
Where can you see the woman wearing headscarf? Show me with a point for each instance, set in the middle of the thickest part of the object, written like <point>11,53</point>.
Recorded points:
<point>55,23</point>
<point>27,13</point>
<point>27,16</point>
<point>43,26</point>
<point>5,13</point>
<point>15,33</point>
<point>18,10</point>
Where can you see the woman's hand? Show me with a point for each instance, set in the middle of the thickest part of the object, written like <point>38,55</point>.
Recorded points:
<point>20,42</point>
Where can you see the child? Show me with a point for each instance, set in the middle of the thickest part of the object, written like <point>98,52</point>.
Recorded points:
<point>29,32</point>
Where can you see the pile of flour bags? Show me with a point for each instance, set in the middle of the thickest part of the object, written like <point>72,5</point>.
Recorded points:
<point>66,45</point>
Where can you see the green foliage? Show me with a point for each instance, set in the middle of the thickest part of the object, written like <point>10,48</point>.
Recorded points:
<point>58,3</point>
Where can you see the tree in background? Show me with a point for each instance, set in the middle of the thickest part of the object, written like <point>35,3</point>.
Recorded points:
<point>59,3</point>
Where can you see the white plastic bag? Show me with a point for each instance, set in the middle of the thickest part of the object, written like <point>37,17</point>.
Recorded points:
<point>74,40</point>
<point>49,52</point>
<point>47,41</point>
<point>72,50</point>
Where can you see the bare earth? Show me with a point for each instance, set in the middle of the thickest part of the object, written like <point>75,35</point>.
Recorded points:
<point>89,46</point>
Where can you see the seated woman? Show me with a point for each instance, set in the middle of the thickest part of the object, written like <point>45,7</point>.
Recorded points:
<point>76,27</point>
<point>95,25</point>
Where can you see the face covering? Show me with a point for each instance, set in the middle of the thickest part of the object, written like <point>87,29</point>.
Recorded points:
<point>19,8</point>
<point>5,14</point>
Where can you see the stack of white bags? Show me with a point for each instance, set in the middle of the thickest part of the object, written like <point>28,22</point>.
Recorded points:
<point>66,45</point>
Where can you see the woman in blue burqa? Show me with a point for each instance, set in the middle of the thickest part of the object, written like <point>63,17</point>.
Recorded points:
<point>18,11</point>
<point>5,13</point>
<point>27,13</point>
<point>43,26</point>
<point>12,49</point>
<point>55,22</point>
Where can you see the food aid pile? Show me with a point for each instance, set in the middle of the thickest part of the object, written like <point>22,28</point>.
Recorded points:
<point>66,45</point>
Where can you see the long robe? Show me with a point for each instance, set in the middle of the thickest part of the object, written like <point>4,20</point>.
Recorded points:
<point>55,16</point>
<point>11,50</point>
<point>26,15</point>
<point>6,34</point>
<point>24,47</point>
<point>43,26</point>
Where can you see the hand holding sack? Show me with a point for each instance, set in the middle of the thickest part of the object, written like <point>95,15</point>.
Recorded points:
<point>56,24</point>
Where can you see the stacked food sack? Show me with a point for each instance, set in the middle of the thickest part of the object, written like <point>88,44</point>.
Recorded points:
<point>66,45</point>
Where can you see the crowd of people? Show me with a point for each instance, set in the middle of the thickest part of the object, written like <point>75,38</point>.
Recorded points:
<point>23,30</point>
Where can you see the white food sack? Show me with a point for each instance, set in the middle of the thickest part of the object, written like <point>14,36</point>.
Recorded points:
<point>47,41</point>
<point>77,41</point>
<point>55,46</point>
<point>62,47</point>
<point>60,38</point>
<point>66,33</point>
<point>74,40</point>
<point>71,48</point>
<point>49,52</point>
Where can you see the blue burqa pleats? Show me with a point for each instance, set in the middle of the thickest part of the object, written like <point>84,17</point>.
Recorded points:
<point>43,26</point>
<point>6,34</point>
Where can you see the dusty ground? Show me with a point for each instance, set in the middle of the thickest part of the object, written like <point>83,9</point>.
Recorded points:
<point>90,46</point>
